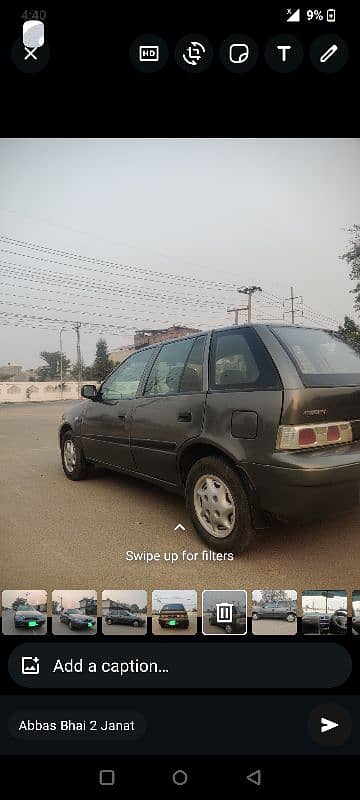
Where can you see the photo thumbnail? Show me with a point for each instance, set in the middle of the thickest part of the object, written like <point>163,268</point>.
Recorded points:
<point>24,612</point>
<point>274,612</point>
<point>124,612</point>
<point>324,611</point>
<point>174,612</point>
<point>74,611</point>
<point>355,624</point>
<point>224,611</point>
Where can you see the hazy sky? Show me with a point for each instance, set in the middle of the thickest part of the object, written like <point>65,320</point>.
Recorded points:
<point>290,593</point>
<point>33,596</point>
<point>232,211</point>
<point>70,598</point>
<point>211,598</point>
<point>187,597</point>
<point>129,597</point>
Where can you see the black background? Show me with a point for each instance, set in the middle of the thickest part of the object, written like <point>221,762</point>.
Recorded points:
<point>90,87</point>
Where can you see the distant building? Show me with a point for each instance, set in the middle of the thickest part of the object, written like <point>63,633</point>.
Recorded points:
<point>149,336</point>
<point>119,355</point>
<point>11,370</point>
<point>145,337</point>
<point>88,606</point>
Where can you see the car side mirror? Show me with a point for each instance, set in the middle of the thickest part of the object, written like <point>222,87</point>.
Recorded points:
<point>89,391</point>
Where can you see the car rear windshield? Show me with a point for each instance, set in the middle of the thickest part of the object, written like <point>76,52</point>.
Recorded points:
<point>174,607</point>
<point>322,357</point>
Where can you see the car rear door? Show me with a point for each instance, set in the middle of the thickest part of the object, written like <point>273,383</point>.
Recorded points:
<point>105,425</point>
<point>244,401</point>
<point>171,409</point>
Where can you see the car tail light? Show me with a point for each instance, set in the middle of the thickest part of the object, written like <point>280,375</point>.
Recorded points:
<point>298,437</point>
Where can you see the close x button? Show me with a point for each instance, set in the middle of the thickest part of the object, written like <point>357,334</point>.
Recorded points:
<point>330,725</point>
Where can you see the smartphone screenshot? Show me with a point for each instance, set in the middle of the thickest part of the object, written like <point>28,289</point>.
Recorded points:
<point>179,400</point>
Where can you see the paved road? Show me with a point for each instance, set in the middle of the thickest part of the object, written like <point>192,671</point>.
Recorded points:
<point>190,631</point>
<point>123,630</point>
<point>61,629</point>
<point>55,532</point>
<point>273,627</point>
<point>217,630</point>
<point>8,627</point>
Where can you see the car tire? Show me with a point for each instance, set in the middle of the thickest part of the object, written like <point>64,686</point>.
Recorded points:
<point>242,530</point>
<point>71,449</point>
<point>228,628</point>
<point>290,618</point>
<point>109,621</point>
<point>71,625</point>
<point>255,615</point>
<point>135,624</point>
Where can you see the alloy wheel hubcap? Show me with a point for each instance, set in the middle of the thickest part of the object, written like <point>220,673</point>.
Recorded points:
<point>214,506</point>
<point>69,455</point>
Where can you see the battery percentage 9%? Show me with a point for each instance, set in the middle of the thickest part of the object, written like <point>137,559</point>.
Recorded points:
<point>314,15</point>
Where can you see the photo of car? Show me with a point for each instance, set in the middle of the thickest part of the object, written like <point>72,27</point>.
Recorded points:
<point>324,612</point>
<point>355,622</point>
<point>242,420</point>
<point>174,612</point>
<point>124,617</point>
<point>124,612</point>
<point>274,612</point>
<point>74,612</point>
<point>224,612</point>
<point>26,616</point>
<point>76,619</point>
<point>173,615</point>
<point>24,612</point>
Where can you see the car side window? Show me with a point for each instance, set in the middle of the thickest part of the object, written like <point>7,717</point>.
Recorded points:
<point>192,379</point>
<point>239,360</point>
<point>167,371</point>
<point>124,382</point>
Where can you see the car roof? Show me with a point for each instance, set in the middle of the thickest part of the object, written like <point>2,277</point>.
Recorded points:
<point>255,325</point>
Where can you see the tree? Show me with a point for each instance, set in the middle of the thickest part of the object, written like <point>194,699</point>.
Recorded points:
<point>273,595</point>
<point>352,257</point>
<point>102,364</point>
<point>20,601</point>
<point>350,332</point>
<point>53,363</point>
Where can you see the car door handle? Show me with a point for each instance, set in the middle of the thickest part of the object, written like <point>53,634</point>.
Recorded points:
<point>122,418</point>
<point>185,416</point>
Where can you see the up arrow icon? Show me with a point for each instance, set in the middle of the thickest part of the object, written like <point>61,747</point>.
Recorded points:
<point>328,725</point>
<point>179,526</point>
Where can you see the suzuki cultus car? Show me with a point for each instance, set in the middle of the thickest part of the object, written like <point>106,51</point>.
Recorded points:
<point>242,420</point>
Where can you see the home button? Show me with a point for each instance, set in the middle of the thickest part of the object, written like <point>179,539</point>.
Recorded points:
<point>179,777</point>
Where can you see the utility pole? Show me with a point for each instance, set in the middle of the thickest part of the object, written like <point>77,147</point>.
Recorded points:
<point>235,311</point>
<point>77,327</point>
<point>249,291</point>
<point>61,363</point>
<point>292,310</point>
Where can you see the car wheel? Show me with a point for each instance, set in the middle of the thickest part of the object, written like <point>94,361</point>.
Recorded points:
<point>255,615</point>
<point>290,618</point>
<point>73,460</point>
<point>71,626</point>
<point>135,624</point>
<point>218,505</point>
<point>109,621</point>
<point>228,628</point>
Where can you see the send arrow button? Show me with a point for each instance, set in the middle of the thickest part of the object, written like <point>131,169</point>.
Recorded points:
<point>328,725</point>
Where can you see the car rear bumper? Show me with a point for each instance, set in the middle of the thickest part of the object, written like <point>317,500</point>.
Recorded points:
<point>296,484</point>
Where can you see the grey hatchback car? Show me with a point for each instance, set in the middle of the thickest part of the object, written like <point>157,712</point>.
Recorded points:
<point>242,420</point>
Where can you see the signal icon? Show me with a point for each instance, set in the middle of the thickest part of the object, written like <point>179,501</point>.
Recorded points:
<point>293,16</point>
